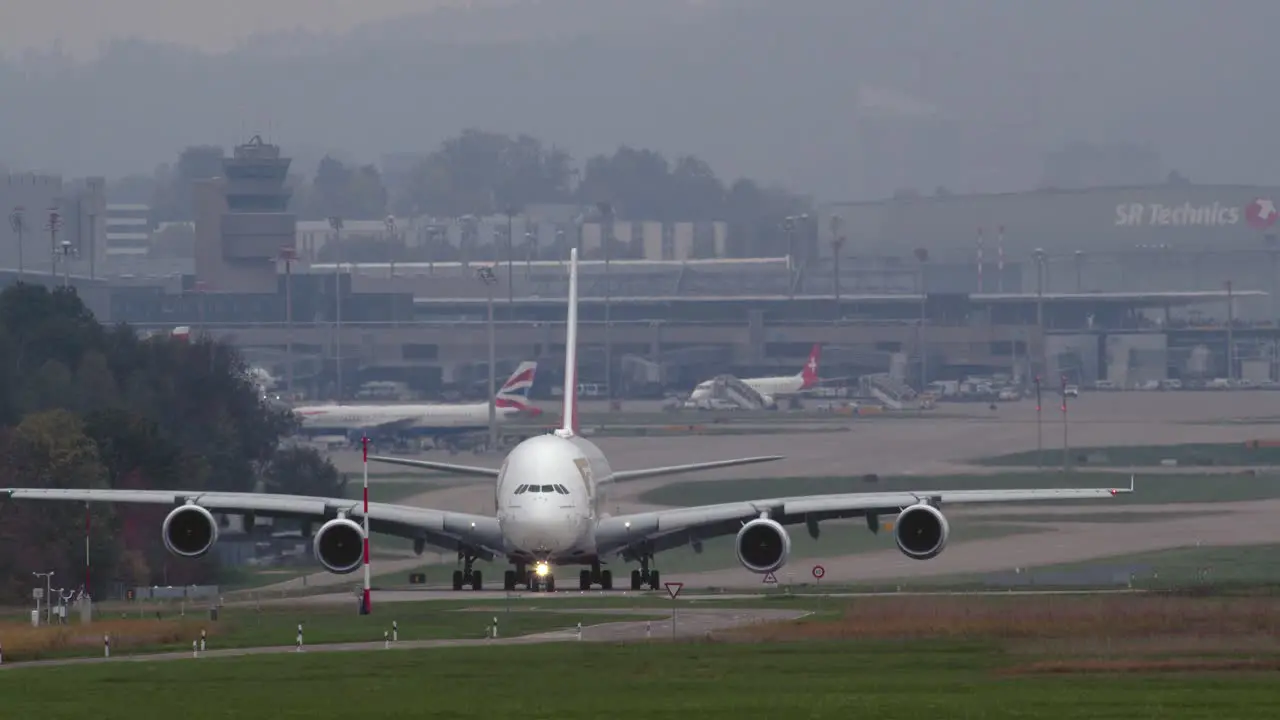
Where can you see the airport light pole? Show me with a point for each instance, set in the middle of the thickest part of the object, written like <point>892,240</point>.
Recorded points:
<point>1231,337</point>
<point>1066,446</point>
<point>922,254</point>
<point>486,276</point>
<point>1079,255</point>
<point>837,244</point>
<point>390,224</point>
<point>1271,242</point>
<point>606,239</point>
<point>511,276</point>
<point>18,221</point>
<point>335,223</point>
<point>93,246</point>
<point>66,252</point>
<point>530,252</point>
<point>288,254</point>
<point>1039,433</point>
<point>53,225</point>
<point>1040,257</point>
<point>789,226</point>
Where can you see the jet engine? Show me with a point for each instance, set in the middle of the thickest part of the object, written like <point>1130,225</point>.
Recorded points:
<point>339,546</point>
<point>763,545</point>
<point>189,531</point>
<point>921,532</point>
<point>768,402</point>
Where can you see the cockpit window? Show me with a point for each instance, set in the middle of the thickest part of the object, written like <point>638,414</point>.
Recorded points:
<point>521,490</point>
<point>562,489</point>
<point>548,489</point>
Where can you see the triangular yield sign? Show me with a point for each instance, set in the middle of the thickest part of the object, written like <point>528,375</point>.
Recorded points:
<point>770,579</point>
<point>673,588</point>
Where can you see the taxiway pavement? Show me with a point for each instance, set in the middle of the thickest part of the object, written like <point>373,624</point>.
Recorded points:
<point>943,445</point>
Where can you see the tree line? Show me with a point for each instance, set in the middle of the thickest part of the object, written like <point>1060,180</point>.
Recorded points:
<point>480,173</point>
<point>83,405</point>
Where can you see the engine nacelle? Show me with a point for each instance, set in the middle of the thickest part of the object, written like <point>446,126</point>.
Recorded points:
<point>339,546</point>
<point>763,545</point>
<point>921,532</point>
<point>189,531</point>
<point>769,401</point>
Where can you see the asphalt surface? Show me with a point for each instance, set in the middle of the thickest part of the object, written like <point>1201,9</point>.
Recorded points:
<point>934,446</point>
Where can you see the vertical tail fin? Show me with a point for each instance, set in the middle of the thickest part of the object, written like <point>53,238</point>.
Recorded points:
<point>569,427</point>
<point>809,375</point>
<point>514,394</point>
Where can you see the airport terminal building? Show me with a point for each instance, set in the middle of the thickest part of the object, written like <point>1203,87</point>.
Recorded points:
<point>1168,236</point>
<point>1130,287</point>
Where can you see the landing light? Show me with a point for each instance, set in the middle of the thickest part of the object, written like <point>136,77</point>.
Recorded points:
<point>541,569</point>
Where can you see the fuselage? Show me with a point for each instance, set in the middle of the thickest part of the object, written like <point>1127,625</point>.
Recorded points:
<point>405,419</point>
<point>549,496</point>
<point>774,387</point>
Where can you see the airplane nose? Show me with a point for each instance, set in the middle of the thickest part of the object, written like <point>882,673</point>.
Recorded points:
<point>542,529</point>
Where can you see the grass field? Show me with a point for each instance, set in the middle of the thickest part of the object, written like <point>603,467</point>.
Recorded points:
<point>1190,454</point>
<point>149,629</point>
<point>1187,567</point>
<point>1152,489</point>
<point>389,490</point>
<point>889,658</point>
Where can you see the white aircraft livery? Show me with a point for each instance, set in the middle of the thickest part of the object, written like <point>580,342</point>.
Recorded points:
<point>438,421</point>
<point>772,388</point>
<point>551,492</point>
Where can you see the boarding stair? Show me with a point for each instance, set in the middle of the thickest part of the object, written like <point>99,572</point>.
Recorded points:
<point>891,392</point>
<point>727,388</point>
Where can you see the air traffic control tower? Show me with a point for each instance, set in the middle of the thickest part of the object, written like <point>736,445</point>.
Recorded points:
<point>242,221</point>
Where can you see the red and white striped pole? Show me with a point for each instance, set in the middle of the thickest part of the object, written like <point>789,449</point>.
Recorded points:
<point>87,517</point>
<point>368,602</point>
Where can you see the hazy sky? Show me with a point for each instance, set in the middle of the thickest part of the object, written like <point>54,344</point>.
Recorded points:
<point>212,25</point>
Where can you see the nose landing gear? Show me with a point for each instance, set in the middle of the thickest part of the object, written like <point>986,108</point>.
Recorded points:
<point>531,579</point>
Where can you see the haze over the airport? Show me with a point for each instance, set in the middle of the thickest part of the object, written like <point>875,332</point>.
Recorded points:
<point>212,27</point>
<point>840,98</point>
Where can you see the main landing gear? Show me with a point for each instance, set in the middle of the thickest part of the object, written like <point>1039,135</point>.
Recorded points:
<point>467,576</point>
<point>643,576</point>
<point>595,576</point>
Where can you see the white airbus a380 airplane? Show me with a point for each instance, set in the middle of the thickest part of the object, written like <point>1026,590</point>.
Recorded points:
<point>550,493</point>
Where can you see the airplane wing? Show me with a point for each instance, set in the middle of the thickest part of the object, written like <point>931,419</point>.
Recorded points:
<point>821,384</point>
<point>619,476</point>
<point>444,529</point>
<point>666,529</point>
<point>452,468</point>
<point>625,475</point>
